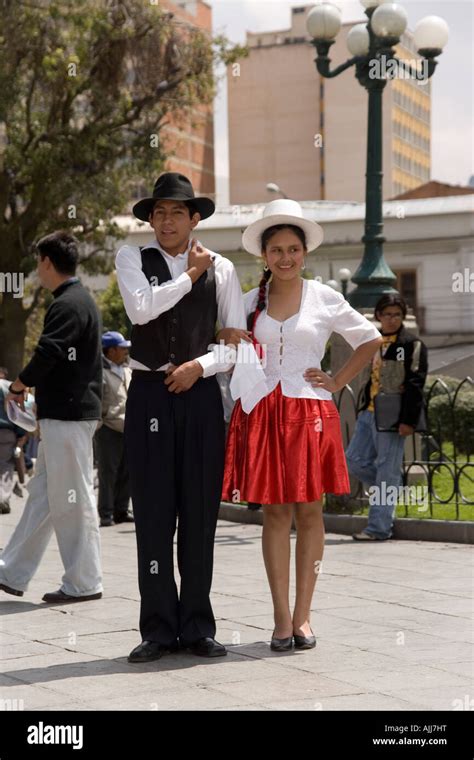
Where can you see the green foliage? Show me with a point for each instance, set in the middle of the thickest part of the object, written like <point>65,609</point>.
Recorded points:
<point>85,90</point>
<point>451,418</point>
<point>453,423</point>
<point>83,87</point>
<point>435,388</point>
<point>110,303</point>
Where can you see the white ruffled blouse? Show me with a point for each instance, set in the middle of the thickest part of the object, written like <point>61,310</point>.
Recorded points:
<point>294,345</point>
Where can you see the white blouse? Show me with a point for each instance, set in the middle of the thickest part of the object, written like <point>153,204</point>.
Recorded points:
<point>294,345</point>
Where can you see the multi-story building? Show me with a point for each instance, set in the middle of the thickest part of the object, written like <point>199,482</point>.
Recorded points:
<point>192,144</point>
<point>290,126</point>
<point>189,141</point>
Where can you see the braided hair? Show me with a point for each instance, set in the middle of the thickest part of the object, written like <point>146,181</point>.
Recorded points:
<point>266,274</point>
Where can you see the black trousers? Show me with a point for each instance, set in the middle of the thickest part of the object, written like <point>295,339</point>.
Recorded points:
<point>175,451</point>
<point>114,489</point>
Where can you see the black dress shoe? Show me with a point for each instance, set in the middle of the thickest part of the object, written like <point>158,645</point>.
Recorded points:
<point>106,522</point>
<point>304,642</point>
<point>124,519</point>
<point>206,647</point>
<point>5,508</point>
<point>59,597</point>
<point>9,590</point>
<point>281,645</point>
<point>148,651</point>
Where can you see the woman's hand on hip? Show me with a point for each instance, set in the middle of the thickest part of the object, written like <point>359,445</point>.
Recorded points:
<point>320,379</point>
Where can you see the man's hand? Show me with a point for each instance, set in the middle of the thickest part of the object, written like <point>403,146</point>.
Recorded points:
<point>182,378</point>
<point>199,259</point>
<point>320,379</point>
<point>405,429</point>
<point>18,398</point>
<point>232,336</point>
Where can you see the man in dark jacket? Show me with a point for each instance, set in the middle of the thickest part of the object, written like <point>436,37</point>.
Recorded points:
<point>66,371</point>
<point>375,457</point>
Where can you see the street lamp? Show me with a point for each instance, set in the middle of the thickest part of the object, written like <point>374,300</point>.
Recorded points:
<point>274,188</point>
<point>344,277</point>
<point>371,45</point>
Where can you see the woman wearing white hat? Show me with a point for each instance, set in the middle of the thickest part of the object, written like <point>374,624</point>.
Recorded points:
<point>284,449</point>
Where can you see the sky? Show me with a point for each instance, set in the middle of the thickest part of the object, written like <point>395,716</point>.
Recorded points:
<point>452,148</point>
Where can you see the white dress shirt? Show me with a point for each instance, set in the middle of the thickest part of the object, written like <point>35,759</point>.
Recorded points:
<point>294,345</point>
<point>144,302</point>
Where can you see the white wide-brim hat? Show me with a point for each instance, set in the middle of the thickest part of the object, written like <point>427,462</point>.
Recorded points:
<point>281,211</point>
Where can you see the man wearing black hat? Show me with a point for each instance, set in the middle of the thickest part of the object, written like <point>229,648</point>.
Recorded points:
<point>174,292</point>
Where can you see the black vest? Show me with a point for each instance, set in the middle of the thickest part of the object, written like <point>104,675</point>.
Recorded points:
<point>183,332</point>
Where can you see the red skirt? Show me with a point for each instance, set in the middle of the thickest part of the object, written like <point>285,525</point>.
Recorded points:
<point>286,450</point>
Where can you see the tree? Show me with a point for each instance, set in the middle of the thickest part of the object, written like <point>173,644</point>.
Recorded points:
<point>84,86</point>
<point>114,316</point>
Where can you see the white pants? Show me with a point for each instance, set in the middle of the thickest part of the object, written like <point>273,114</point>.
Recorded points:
<point>61,499</point>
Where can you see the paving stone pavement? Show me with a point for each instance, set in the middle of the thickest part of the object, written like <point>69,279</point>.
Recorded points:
<point>393,622</point>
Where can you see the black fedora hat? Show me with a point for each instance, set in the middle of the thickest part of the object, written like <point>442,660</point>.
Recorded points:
<point>172,186</point>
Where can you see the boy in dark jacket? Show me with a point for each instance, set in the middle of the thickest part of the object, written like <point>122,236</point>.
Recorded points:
<point>375,457</point>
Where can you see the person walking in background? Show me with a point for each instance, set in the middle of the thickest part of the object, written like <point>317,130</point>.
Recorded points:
<point>66,371</point>
<point>114,490</point>
<point>394,390</point>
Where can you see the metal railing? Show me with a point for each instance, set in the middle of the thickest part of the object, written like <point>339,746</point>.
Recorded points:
<point>435,458</point>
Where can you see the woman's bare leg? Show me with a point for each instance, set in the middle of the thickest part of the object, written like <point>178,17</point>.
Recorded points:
<point>309,554</point>
<point>276,554</point>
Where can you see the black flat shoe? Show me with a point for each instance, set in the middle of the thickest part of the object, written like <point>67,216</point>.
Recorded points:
<point>148,651</point>
<point>59,597</point>
<point>106,522</point>
<point>304,642</point>
<point>9,590</point>
<point>124,519</point>
<point>206,647</point>
<point>281,645</point>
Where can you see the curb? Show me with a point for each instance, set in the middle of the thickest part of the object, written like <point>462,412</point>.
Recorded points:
<point>405,529</point>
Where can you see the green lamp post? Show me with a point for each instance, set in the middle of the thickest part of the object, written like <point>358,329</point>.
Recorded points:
<point>371,45</point>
